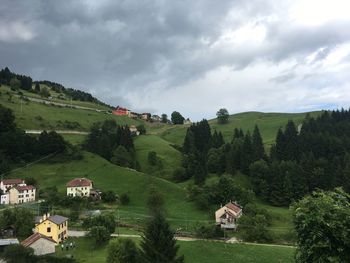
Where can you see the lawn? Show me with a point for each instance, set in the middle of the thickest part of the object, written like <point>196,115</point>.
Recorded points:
<point>268,124</point>
<point>34,115</point>
<point>194,252</point>
<point>106,176</point>
<point>170,158</point>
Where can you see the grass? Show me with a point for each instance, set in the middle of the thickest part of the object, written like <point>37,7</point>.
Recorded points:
<point>268,124</point>
<point>34,115</point>
<point>170,158</point>
<point>106,176</point>
<point>194,252</point>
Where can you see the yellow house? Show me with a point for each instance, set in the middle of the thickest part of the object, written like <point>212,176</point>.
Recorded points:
<point>55,227</point>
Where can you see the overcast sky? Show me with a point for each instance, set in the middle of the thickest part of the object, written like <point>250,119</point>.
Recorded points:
<point>186,55</point>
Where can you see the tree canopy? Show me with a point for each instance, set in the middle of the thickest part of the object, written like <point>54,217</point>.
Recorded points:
<point>222,116</point>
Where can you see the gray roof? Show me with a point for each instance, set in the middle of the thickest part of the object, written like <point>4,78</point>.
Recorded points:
<point>7,242</point>
<point>57,219</point>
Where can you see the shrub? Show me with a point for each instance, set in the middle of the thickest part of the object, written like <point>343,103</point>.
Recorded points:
<point>124,199</point>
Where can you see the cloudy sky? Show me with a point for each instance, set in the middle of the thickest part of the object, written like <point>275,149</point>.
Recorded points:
<point>186,55</point>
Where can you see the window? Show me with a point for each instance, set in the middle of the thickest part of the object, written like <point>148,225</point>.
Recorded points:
<point>48,230</point>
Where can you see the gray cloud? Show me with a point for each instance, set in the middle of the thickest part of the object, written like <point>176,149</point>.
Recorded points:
<point>122,50</point>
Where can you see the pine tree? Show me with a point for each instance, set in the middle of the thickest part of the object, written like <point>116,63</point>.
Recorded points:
<point>258,146</point>
<point>291,142</point>
<point>280,149</point>
<point>246,153</point>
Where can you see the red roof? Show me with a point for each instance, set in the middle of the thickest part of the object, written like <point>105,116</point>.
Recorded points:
<point>36,236</point>
<point>25,187</point>
<point>79,182</point>
<point>236,208</point>
<point>120,108</point>
<point>12,181</point>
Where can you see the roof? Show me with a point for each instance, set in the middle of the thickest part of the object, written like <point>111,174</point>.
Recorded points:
<point>121,108</point>
<point>57,219</point>
<point>235,207</point>
<point>7,242</point>
<point>25,187</point>
<point>78,182</point>
<point>13,181</point>
<point>33,238</point>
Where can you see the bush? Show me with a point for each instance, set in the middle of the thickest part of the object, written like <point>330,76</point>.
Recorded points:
<point>100,234</point>
<point>209,231</point>
<point>179,175</point>
<point>108,197</point>
<point>122,251</point>
<point>152,158</point>
<point>124,199</point>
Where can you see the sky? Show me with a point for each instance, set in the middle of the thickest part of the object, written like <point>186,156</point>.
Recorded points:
<point>194,57</point>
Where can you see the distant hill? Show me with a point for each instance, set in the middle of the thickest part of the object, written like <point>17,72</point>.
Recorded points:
<point>268,124</point>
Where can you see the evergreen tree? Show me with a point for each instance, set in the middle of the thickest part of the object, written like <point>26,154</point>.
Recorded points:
<point>280,149</point>
<point>258,146</point>
<point>37,87</point>
<point>158,242</point>
<point>291,151</point>
<point>246,153</point>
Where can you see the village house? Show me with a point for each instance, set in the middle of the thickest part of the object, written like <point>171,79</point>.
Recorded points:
<point>146,116</point>
<point>156,118</point>
<point>119,111</point>
<point>79,187</point>
<point>42,245</point>
<point>5,198</point>
<point>7,242</point>
<point>22,194</point>
<point>134,115</point>
<point>6,184</point>
<point>54,227</point>
<point>226,217</point>
<point>133,130</point>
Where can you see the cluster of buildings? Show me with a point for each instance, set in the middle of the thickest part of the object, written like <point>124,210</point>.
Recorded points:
<point>120,111</point>
<point>16,191</point>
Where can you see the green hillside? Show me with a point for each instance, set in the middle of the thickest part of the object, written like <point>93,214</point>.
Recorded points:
<point>268,124</point>
<point>170,158</point>
<point>107,176</point>
<point>36,115</point>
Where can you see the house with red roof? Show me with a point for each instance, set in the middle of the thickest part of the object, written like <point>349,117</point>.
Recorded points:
<point>227,215</point>
<point>120,111</point>
<point>6,184</point>
<point>41,244</point>
<point>79,187</point>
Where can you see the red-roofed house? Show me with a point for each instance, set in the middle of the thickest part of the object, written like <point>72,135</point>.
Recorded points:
<point>227,215</point>
<point>6,184</point>
<point>79,187</point>
<point>22,194</point>
<point>41,244</point>
<point>120,111</point>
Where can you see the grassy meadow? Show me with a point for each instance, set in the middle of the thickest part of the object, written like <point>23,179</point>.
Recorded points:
<point>169,157</point>
<point>194,252</point>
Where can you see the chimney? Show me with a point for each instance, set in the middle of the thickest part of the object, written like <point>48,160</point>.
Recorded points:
<point>44,217</point>
<point>41,220</point>
<point>48,215</point>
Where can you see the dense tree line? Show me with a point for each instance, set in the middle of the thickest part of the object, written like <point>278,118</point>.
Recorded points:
<point>112,142</point>
<point>317,157</point>
<point>24,82</point>
<point>16,146</point>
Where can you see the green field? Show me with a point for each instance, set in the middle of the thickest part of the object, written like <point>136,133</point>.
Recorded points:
<point>195,252</point>
<point>268,124</point>
<point>170,158</point>
<point>34,115</point>
<point>106,176</point>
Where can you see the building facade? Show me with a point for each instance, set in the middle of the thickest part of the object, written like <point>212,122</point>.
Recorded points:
<point>79,187</point>
<point>120,111</point>
<point>226,217</point>
<point>54,227</point>
<point>42,245</point>
<point>6,184</point>
<point>22,194</point>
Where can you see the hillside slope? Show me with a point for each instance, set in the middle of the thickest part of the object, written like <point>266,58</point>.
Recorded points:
<point>107,176</point>
<point>268,124</point>
<point>35,115</point>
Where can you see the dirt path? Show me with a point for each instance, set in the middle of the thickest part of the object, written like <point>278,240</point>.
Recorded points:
<point>58,131</point>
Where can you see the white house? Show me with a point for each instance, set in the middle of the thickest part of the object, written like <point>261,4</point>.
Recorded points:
<point>5,198</point>
<point>41,244</point>
<point>79,187</point>
<point>6,184</point>
<point>227,215</point>
<point>22,194</point>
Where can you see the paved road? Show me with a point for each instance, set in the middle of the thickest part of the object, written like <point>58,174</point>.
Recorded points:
<point>58,131</point>
<point>79,233</point>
